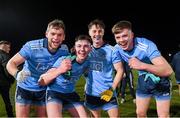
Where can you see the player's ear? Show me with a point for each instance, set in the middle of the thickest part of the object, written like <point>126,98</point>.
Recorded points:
<point>46,34</point>
<point>64,37</point>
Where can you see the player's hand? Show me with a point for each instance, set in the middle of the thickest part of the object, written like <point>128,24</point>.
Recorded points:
<point>22,75</point>
<point>65,66</point>
<point>42,81</point>
<point>107,95</point>
<point>72,58</point>
<point>47,77</point>
<point>135,63</point>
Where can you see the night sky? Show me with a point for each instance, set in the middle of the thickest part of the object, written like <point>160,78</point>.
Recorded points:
<point>27,20</point>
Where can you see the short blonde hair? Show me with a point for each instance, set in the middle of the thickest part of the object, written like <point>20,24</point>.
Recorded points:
<point>119,26</point>
<point>56,23</point>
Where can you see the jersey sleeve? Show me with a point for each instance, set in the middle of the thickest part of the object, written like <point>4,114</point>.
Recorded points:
<point>25,51</point>
<point>58,62</point>
<point>116,57</point>
<point>152,51</point>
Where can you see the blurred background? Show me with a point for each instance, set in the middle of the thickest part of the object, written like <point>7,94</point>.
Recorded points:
<point>21,21</point>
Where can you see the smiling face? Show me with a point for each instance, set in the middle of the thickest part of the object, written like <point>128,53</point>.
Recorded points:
<point>82,49</point>
<point>124,39</point>
<point>55,36</point>
<point>96,32</point>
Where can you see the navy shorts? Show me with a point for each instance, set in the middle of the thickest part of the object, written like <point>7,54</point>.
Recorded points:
<point>160,90</point>
<point>96,103</point>
<point>68,100</point>
<point>30,97</point>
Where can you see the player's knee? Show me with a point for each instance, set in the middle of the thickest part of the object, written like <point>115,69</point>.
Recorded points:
<point>141,113</point>
<point>163,114</point>
<point>96,114</point>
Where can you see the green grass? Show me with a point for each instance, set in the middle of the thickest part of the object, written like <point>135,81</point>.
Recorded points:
<point>126,110</point>
<point>2,105</point>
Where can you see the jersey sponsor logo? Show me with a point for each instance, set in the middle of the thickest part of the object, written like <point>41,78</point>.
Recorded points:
<point>96,66</point>
<point>43,67</point>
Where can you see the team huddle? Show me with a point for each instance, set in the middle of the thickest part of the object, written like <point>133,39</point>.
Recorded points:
<point>50,72</point>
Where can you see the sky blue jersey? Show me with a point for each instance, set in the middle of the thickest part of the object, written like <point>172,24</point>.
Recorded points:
<point>66,84</point>
<point>144,49</point>
<point>100,76</point>
<point>38,61</point>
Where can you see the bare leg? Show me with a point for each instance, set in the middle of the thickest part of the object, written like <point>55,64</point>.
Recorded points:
<point>142,105</point>
<point>41,111</point>
<point>78,111</point>
<point>163,107</point>
<point>22,110</point>
<point>96,113</point>
<point>113,113</point>
<point>54,109</point>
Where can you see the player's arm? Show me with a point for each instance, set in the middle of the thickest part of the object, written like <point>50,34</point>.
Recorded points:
<point>51,74</point>
<point>108,94</point>
<point>13,63</point>
<point>159,66</point>
<point>119,74</point>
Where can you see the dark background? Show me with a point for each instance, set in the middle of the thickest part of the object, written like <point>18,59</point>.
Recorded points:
<point>21,21</point>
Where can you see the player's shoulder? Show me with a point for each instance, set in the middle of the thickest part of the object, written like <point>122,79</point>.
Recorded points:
<point>109,47</point>
<point>143,40</point>
<point>64,47</point>
<point>36,44</point>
